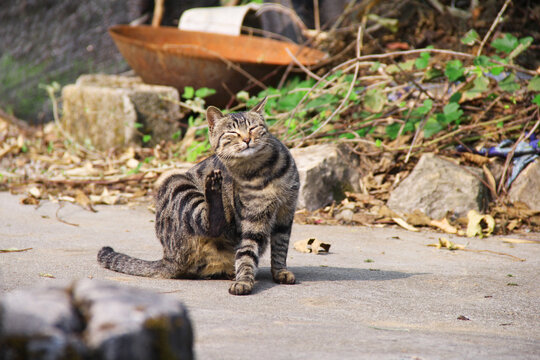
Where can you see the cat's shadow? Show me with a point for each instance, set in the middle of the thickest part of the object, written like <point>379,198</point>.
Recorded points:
<point>306,274</point>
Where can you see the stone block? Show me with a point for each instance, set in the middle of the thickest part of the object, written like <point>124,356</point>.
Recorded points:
<point>526,187</point>
<point>104,110</point>
<point>326,172</point>
<point>93,319</point>
<point>130,323</point>
<point>437,186</point>
<point>40,324</point>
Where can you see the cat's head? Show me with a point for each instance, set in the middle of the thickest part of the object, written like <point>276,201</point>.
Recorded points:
<point>237,135</point>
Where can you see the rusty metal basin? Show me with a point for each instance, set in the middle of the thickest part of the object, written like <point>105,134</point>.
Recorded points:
<point>228,64</point>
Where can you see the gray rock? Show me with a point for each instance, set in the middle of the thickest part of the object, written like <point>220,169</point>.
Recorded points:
<point>526,187</point>
<point>40,324</point>
<point>326,172</point>
<point>93,319</point>
<point>104,110</point>
<point>437,186</point>
<point>129,323</point>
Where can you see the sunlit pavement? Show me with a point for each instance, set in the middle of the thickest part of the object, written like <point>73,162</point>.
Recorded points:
<point>381,293</point>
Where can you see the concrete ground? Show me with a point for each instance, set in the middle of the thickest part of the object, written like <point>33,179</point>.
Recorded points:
<point>381,293</point>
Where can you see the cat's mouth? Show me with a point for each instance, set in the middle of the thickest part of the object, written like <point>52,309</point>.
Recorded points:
<point>248,151</point>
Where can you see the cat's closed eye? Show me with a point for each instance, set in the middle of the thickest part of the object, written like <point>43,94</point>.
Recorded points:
<point>257,130</point>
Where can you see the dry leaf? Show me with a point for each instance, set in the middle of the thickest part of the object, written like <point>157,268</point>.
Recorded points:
<point>66,198</point>
<point>364,199</point>
<point>445,243</point>
<point>83,200</point>
<point>20,142</point>
<point>363,218</point>
<point>13,250</point>
<point>319,247</point>
<point>385,211</point>
<point>445,226</point>
<point>518,210</point>
<point>29,200</point>
<point>476,220</point>
<point>513,224</point>
<point>35,192</point>
<point>479,160</point>
<point>490,224</point>
<point>311,245</point>
<point>418,218</point>
<point>6,149</point>
<point>491,181</point>
<point>128,154</point>
<point>404,224</point>
<point>86,170</point>
<point>105,198</point>
<point>450,245</point>
<point>47,275</point>
<point>70,158</point>
<point>132,163</point>
<point>302,246</point>
<point>150,175</point>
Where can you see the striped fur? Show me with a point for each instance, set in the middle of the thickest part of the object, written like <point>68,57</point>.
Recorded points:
<point>218,218</point>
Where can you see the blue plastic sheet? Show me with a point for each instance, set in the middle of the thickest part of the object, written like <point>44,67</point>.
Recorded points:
<point>525,153</point>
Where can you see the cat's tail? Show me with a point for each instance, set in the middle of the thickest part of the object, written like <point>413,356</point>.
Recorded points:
<point>110,259</point>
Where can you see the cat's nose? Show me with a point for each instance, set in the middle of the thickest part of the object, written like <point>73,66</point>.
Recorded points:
<point>247,140</point>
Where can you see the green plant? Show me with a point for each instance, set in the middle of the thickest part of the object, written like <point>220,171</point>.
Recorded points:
<point>346,103</point>
<point>190,93</point>
<point>146,138</point>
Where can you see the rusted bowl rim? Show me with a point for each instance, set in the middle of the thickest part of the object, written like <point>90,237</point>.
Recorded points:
<point>305,55</point>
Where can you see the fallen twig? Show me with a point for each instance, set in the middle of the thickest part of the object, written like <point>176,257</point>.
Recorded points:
<point>493,25</point>
<point>457,131</point>
<point>495,253</point>
<point>301,66</point>
<point>60,206</point>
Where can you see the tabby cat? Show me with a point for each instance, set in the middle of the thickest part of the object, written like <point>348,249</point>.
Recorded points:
<point>217,219</point>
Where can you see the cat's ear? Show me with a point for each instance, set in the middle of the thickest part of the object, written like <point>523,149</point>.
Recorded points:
<point>259,108</point>
<point>212,116</point>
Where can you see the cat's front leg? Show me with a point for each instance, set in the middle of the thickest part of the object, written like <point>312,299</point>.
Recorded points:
<point>279,246</point>
<point>247,261</point>
<point>214,198</point>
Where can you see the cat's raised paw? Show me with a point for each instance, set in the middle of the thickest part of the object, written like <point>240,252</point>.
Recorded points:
<point>214,180</point>
<point>284,277</point>
<point>241,288</point>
